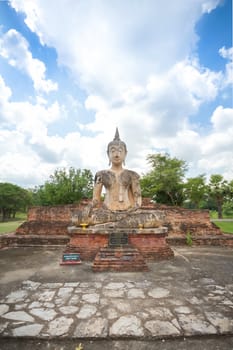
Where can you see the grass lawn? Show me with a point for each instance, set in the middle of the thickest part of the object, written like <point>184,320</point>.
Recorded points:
<point>6,227</point>
<point>10,226</point>
<point>225,226</point>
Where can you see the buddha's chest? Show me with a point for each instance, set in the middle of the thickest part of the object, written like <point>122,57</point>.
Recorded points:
<point>111,180</point>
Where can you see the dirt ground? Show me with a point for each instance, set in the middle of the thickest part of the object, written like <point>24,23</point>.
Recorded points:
<point>203,343</point>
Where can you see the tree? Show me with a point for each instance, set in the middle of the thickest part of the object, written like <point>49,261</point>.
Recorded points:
<point>65,187</point>
<point>12,199</point>
<point>195,190</point>
<point>164,183</point>
<point>219,190</point>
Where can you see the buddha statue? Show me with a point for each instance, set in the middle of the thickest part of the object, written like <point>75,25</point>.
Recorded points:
<point>121,207</point>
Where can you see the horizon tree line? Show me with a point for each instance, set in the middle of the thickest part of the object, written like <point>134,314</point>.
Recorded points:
<point>165,183</point>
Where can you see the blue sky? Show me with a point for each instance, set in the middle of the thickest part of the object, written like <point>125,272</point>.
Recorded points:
<point>71,71</point>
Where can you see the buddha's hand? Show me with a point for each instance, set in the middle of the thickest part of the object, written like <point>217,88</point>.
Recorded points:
<point>94,203</point>
<point>135,207</point>
<point>87,210</point>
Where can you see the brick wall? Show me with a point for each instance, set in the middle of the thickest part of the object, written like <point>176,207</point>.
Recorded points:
<point>151,246</point>
<point>88,244</point>
<point>61,213</point>
<point>180,221</point>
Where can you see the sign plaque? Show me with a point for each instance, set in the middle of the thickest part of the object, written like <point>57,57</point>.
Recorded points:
<point>70,259</point>
<point>118,239</point>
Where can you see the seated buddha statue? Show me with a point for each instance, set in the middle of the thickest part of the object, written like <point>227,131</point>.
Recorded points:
<point>122,200</point>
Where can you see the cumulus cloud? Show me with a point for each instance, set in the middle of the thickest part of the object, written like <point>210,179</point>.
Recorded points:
<point>158,103</point>
<point>112,44</point>
<point>217,156</point>
<point>15,48</point>
<point>24,126</point>
<point>228,55</point>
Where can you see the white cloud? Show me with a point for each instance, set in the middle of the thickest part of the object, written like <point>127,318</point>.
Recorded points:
<point>111,45</point>
<point>26,148</point>
<point>222,119</point>
<point>220,139</point>
<point>158,103</point>
<point>15,48</point>
<point>5,91</point>
<point>228,77</point>
<point>209,5</point>
<point>217,156</point>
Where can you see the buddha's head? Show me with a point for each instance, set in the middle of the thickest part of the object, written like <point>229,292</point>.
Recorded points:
<point>116,150</point>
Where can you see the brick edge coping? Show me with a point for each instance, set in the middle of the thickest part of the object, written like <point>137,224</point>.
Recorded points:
<point>16,240</point>
<point>218,240</point>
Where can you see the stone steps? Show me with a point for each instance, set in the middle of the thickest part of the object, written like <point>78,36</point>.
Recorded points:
<point>125,258</point>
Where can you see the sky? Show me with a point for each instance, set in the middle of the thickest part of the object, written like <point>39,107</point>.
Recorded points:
<point>71,71</point>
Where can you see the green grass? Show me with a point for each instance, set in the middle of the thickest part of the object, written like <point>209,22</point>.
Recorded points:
<point>11,226</point>
<point>214,215</point>
<point>225,226</point>
<point>6,227</point>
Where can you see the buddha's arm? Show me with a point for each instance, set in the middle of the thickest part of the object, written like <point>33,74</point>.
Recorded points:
<point>95,200</point>
<point>97,193</point>
<point>136,190</point>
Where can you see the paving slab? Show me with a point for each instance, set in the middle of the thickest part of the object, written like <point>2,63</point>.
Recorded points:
<point>188,296</point>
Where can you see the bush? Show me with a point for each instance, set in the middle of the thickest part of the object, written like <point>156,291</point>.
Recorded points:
<point>189,239</point>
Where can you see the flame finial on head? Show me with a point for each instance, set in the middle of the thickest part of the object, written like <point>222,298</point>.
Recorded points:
<point>117,136</point>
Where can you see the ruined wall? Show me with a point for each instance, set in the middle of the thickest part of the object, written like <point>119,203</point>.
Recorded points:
<point>61,213</point>
<point>48,220</point>
<point>54,220</point>
<point>181,221</point>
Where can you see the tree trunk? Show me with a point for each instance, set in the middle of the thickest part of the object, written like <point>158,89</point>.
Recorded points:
<point>219,205</point>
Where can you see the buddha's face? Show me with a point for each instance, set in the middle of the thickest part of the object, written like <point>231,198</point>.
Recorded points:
<point>117,154</point>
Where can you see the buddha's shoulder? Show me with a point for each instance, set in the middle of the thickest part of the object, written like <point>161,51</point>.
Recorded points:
<point>103,172</point>
<point>131,173</point>
<point>104,175</point>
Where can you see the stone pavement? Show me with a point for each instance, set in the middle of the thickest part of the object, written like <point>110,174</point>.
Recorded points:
<point>191,295</point>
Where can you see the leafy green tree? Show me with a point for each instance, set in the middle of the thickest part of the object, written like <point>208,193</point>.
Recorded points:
<point>219,190</point>
<point>228,202</point>
<point>65,187</point>
<point>12,199</point>
<point>228,208</point>
<point>195,191</point>
<point>164,183</point>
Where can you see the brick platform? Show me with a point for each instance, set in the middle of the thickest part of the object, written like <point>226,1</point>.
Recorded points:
<point>54,220</point>
<point>48,226</point>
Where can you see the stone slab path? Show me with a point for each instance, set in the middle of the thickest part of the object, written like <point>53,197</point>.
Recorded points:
<point>181,300</point>
<point>116,309</point>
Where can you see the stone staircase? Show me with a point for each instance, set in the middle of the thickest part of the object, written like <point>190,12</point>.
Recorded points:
<point>121,259</point>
